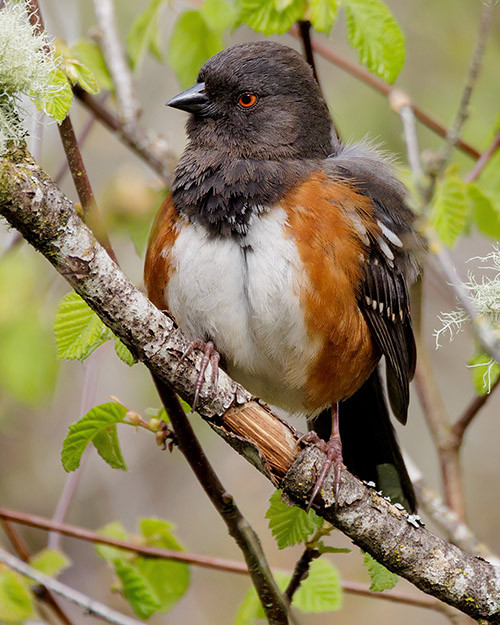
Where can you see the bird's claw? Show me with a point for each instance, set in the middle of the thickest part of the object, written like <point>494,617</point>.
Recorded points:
<point>333,451</point>
<point>210,356</point>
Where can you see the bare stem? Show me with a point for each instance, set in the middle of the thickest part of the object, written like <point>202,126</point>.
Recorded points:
<point>380,86</point>
<point>22,551</point>
<point>453,133</point>
<point>483,160</point>
<point>466,418</point>
<point>95,608</point>
<point>270,596</point>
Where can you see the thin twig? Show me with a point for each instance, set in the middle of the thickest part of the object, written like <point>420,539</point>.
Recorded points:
<point>269,594</point>
<point>45,594</point>
<point>383,88</point>
<point>300,572</point>
<point>483,160</point>
<point>82,137</point>
<point>400,103</point>
<point>87,400</point>
<point>153,152</point>
<point>94,608</point>
<point>455,129</point>
<point>216,564</point>
<point>447,521</point>
<point>128,105</point>
<point>305,36</point>
<point>469,413</point>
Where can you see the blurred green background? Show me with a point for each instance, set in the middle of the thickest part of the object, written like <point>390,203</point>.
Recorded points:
<point>40,397</point>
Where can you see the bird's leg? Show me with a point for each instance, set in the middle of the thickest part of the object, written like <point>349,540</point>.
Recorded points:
<point>333,451</point>
<point>210,355</point>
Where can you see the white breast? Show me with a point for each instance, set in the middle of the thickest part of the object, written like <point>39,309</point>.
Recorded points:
<point>243,295</point>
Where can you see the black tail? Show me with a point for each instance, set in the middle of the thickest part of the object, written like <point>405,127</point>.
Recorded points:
<point>369,444</point>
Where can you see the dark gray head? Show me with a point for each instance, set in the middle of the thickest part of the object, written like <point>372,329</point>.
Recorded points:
<point>257,100</point>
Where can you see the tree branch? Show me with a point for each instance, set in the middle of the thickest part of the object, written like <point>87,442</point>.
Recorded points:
<point>379,85</point>
<point>33,204</point>
<point>95,608</point>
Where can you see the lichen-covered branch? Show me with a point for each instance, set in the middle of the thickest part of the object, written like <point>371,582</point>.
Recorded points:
<point>30,202</point>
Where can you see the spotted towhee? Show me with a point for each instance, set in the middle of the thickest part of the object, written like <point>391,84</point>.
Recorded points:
<point>291,254</point>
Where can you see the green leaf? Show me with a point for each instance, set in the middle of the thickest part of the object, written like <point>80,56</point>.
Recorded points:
<point>58,104</point>
<point>16,600</point>
<point>99,426</point>
<point>484,211</point>
<point>375,34</point>
<point>170,580</point>
<point>113,530</point>
<point>78,330</point>
<point>485,372</point>
<point>489,180</point>
<point>321,591</point>
<point>90,54</point>
<point>50,561</point>
<point>449,210</point>
<point>192,42</point>
<point>136,589</point>
<point>323,14</point>
<point>80,74</point>
<point>144,34</point>
<point>381,578</point>
<point>219,15</point>
<point>290,525</point>
<point>265,17</point>
<point>123,353</point>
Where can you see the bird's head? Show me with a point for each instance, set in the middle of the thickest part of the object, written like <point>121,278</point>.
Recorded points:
<point>257,100</point>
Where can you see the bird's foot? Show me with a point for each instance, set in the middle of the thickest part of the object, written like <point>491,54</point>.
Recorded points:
<point>333,451</point>
<point>210,355</point>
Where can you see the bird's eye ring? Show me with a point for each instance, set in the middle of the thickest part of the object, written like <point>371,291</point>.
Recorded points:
<point>247,100</point>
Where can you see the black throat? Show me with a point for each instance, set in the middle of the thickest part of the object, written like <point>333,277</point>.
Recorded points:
<point>223,194</point>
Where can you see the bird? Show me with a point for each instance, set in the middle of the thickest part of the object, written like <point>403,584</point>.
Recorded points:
<point>288,254</point>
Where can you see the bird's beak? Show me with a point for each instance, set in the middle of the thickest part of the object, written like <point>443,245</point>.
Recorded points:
<point>193,100</point>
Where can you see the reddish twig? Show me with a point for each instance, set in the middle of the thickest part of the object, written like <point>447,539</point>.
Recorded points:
<point>45,594</point>
<point>469,413</point>
<point>383,88</point>
<point>218,564</point>
<point>483,160</point>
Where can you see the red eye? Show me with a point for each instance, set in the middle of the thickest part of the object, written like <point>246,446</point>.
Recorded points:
<point>246,100</point>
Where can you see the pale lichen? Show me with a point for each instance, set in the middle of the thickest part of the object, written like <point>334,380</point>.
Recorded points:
<point>484,294</point>
<point>27,67</point>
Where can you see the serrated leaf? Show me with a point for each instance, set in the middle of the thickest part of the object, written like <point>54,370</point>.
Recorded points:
<point>50,561</point>
<point>123,353</point>
<point>136,589</point>
<point>484,211</point>
<point>449,210</point>
<point>485,372</point>
<point>375,34</point>
<point>57,104</point>
<point>113,530</point>
<point>381,578</point>
<point>219,15</point>
<point>77,329</point>
<point>16,600</point>
<point>321,591</point>
<point>99,423</point>
<point>90,54</point>
<point>264,17</point>
<point>290,525</point>
<point>323,14</point>
<point>192,42</point>
<point>144,34</point>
